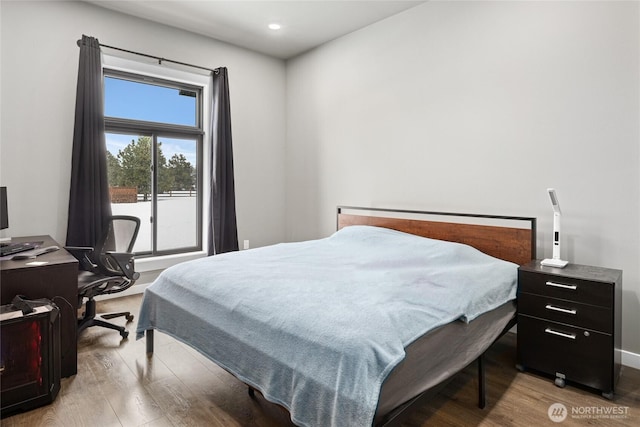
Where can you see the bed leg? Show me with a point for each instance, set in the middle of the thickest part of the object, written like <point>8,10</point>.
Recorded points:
<point>149,342</point>
<point>482,400</point>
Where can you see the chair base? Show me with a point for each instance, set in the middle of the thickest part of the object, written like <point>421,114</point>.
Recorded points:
<point>90,318</point>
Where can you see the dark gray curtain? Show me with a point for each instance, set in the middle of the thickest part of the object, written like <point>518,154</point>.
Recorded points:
<point>223,231</point>
<point>89,204</point>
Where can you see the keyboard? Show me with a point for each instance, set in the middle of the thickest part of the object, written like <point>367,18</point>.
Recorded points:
<point>14,248</point>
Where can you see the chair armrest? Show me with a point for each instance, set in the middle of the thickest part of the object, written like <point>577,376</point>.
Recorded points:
<point>78,251</point>
<point>125,263</point>
<point>81,253</point>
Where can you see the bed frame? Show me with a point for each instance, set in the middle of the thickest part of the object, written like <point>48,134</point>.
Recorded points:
<point>514,244</point>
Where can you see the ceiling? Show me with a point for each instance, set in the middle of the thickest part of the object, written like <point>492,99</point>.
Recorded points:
<point>305,24</point>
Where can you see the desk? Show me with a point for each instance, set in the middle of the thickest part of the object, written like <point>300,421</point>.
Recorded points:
<point>55,280</point>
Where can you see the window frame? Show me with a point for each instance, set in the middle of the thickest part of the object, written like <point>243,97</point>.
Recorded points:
<point>157,130</point>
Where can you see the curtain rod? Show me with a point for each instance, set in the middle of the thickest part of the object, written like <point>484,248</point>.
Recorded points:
<point>159,59</point>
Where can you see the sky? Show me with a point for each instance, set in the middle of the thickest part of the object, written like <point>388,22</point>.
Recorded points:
<point>141,101</point>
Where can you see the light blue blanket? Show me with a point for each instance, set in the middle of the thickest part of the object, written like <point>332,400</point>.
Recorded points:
<point>317,326</point>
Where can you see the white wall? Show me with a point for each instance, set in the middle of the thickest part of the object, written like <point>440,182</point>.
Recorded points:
<point>479,107</point>
<point>449,106</point>
<point>39,58</point>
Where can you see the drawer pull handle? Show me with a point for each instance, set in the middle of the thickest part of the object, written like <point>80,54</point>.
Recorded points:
<point>562,310</point>
<point>560,334</point>
<point>560,285</point>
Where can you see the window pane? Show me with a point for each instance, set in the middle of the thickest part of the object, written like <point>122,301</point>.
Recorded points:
<point>129,168</point>
<point>149,102</point>
<point>177,193</point>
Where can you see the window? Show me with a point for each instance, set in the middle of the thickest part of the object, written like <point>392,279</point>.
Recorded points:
<point>154,154</point>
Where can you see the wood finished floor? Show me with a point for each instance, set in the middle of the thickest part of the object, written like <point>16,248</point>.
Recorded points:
<point>117,385</point>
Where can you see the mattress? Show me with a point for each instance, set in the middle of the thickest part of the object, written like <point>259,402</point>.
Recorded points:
<point>317,326</point>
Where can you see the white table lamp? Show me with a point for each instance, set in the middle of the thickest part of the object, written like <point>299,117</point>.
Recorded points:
<point>555,261</point>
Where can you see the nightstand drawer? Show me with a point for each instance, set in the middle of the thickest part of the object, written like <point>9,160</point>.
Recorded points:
<point>555,348</point>
<point>567,288</point>
<point>569,312</point>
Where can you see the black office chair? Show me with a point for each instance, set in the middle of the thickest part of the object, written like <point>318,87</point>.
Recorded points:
<point>106,269</point>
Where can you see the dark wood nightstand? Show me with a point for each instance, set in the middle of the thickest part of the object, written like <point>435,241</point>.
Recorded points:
<point>569,323</point>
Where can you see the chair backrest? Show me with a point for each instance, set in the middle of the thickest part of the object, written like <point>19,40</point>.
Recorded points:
<point>121,234</point>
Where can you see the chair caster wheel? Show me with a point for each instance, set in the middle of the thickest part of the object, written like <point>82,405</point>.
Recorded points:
<point>129,318</point>
<point>560,382</point>
<point>124,334</point>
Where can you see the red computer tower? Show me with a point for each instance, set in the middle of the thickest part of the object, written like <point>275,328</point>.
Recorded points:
<point>30,357</point>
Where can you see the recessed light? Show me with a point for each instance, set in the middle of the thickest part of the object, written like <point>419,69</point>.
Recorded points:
<point>274,26</point>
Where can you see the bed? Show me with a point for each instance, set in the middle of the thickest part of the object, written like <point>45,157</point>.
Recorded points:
<point>355,328</point>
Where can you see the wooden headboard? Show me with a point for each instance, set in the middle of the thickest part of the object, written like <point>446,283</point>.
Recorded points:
<point>514,244</point>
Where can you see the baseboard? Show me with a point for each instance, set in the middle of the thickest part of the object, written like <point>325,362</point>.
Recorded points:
<point>630,359</point>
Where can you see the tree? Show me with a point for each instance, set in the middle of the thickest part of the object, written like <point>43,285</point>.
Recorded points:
<point>114,170</point>
<point>164,176</point>
<point>135,162</point>
<point>181,172</point>
<point>132,168</point>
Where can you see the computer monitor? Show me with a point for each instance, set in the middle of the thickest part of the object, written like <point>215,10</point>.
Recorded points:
<point>4,215</point>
